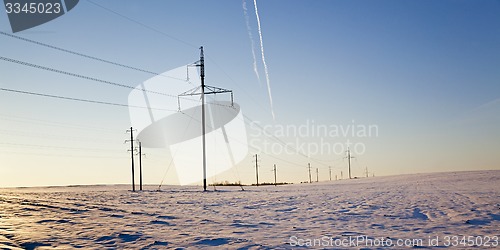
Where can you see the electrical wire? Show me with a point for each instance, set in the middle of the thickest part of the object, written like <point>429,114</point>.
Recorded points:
<point>55,147</point>
<point>30,120</point>
<point>66,155</point>
<point>81,76</point>
<point>81,100</point>
<point>54,137</point>
<point>143,25</point>
<point>86,56</point>
<point>93,79</point>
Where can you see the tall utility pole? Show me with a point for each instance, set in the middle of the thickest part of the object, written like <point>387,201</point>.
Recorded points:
<point>330,171</point>
<point>274,169</point>
<point>317,175</point>
<point>366,171</point>
<point>203,92</point>
<point>349,157</point>
<point>202,76</point>
<point>309,166</point>
<point>257,168</point>
<point>341,175</point>
<point>132,155</point>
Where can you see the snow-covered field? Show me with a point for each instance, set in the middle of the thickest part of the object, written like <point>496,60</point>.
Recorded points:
<point>368,213</point>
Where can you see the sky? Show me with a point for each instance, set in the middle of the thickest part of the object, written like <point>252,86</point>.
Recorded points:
<point>422,74</point>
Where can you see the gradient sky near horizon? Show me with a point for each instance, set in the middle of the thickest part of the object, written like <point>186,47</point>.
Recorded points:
<point>426,73</point>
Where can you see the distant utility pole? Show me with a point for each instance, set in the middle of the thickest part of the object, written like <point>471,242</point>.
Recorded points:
<point>317,175</point>
<point>330,171</point>
<point>132,155</point>
<point>366,171</point>
<point>349,157</point>
<point>140,165</point>
<point>257,168</point>
<point>274,169</point>
<point>309,166</point>
<point>341,175</point>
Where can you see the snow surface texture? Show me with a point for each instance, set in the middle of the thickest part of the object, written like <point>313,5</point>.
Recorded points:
<point>398,207</point>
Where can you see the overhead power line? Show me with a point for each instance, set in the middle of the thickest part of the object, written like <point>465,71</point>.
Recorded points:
<point>143,25</point>
<point>56,147</point>
<point>86,56</point>
<point>95,79</point>
<point>80,100</point>
<point>80,76</point>
<point>65,155</point>
<point>30,120</point>
<point>32,135</point>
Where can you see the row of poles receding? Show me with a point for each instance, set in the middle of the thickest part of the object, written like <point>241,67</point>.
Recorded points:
<point>133,150</point>
<point>348,157</point>
<point>139,153</point>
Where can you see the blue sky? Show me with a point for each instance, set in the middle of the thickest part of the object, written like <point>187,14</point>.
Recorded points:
<point>425,72</point>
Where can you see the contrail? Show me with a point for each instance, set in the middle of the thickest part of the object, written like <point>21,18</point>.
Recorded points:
<point>264,58</point>
<point>249,30</point>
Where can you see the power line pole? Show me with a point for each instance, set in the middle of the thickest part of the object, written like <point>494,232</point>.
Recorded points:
<point>274,169</point>
<point>341,175</point>
<point>202,76</point>
<point>349,157</point>
<point>204,90</point>
<point>330,171</point>
<point>309,166</point>
<point>366,171</point>
<point>132,155</point>
<point>257,169</point>
<point>317,175</point>
<point>140,165</point>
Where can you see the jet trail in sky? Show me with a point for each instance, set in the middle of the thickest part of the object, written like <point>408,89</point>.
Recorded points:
<point>252,42</point>
<point>264,59</point>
